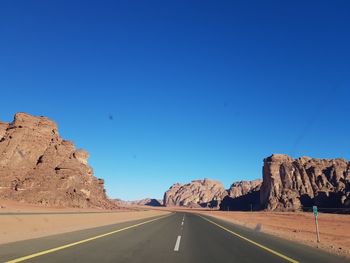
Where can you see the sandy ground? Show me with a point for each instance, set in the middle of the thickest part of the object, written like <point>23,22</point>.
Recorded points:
<point>20,207</point>
<point>17,225</point>
<point>300,227</point>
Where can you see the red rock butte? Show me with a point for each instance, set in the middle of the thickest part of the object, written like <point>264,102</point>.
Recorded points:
<point>291,184</point>
<point>37,166</point>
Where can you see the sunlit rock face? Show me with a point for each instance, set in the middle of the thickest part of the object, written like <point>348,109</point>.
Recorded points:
<point>198,193</point>
<point>37,166</point>
<point>142,202</point>
<point>293,184</point>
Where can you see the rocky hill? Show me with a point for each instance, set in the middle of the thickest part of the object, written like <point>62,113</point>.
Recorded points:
<point>198,193</point>
<point>242,188</point>
<point>142,202</point>
<point>291,184</point>
<point>288,185</point>
<point>148,202</point>
<point>243,195</point>
<point>37,166</point>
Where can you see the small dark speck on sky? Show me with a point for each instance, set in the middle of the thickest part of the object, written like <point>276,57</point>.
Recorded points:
<point>110,117</point>
<point>134,156</point>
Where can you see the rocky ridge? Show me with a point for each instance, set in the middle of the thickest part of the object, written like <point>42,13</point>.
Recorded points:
<point>242,196</point>
<point>198,193</point>
<point>37,166</point>
<point>142,202</point>
<point>288,185</point>
<point>293,184</point>
<point>241,188</point>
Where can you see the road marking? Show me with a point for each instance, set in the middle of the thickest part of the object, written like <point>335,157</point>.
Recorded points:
<point>81,241</point>
<point>182,223</point>
<point>177,244</point>
<point>253,242</point>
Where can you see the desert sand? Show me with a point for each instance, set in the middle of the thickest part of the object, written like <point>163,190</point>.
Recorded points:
<point>21,221</point>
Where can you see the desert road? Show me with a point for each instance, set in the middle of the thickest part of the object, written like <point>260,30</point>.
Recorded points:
<point>178,237</point>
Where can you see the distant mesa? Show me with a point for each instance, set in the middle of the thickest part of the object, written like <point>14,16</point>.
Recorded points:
<point>152,202</point>
<point>243,196</point>
<point>212,194</point>
<point>198,193</point>
<point>37,166</point>
<point>287,185</point>
<point>142,202</point>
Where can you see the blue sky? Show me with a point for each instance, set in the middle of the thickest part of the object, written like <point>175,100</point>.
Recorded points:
<point>196,88</point>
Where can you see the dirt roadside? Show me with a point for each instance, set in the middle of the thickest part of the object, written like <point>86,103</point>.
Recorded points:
<point>27,222</point>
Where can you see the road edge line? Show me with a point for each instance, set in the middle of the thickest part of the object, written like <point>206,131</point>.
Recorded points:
<point>252,242</point>
<point>48,251</point>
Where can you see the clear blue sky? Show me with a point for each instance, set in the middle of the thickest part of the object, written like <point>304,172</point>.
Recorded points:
<point>196,88</point>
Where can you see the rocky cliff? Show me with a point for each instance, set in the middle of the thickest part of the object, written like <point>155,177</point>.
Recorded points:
<point>288,184</point>
<point>198,193</point>
<point>291,184</point>
<point>37,166</point>
<point>242,188</point>
<point>243,196</point>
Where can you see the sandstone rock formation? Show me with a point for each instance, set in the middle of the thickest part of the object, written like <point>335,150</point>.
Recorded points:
<point>142,202</point>
<point>148,202</point>
<point>243,196</point>
<point>242,188</point>
<point>291,184</point>
<point>288,185</point>
<point>198,193</point>
<point>37,166</point>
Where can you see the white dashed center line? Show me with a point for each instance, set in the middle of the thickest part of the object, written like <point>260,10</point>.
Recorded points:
<point>177,244</point>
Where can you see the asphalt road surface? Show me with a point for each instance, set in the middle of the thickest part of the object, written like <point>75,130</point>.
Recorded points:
<point>178,237</point>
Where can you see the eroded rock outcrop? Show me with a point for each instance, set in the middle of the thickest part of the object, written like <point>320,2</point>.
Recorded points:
<point>142,202</point>
<point>38,166</point>
<point>291,184</point>
<point>243,196</point>
<point>148,202</point>
<point>198,193</point>
<point>241,188</point>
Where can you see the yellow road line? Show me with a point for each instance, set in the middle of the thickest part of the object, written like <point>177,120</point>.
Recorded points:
<point>253,242</point>
<point>81,241</point>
